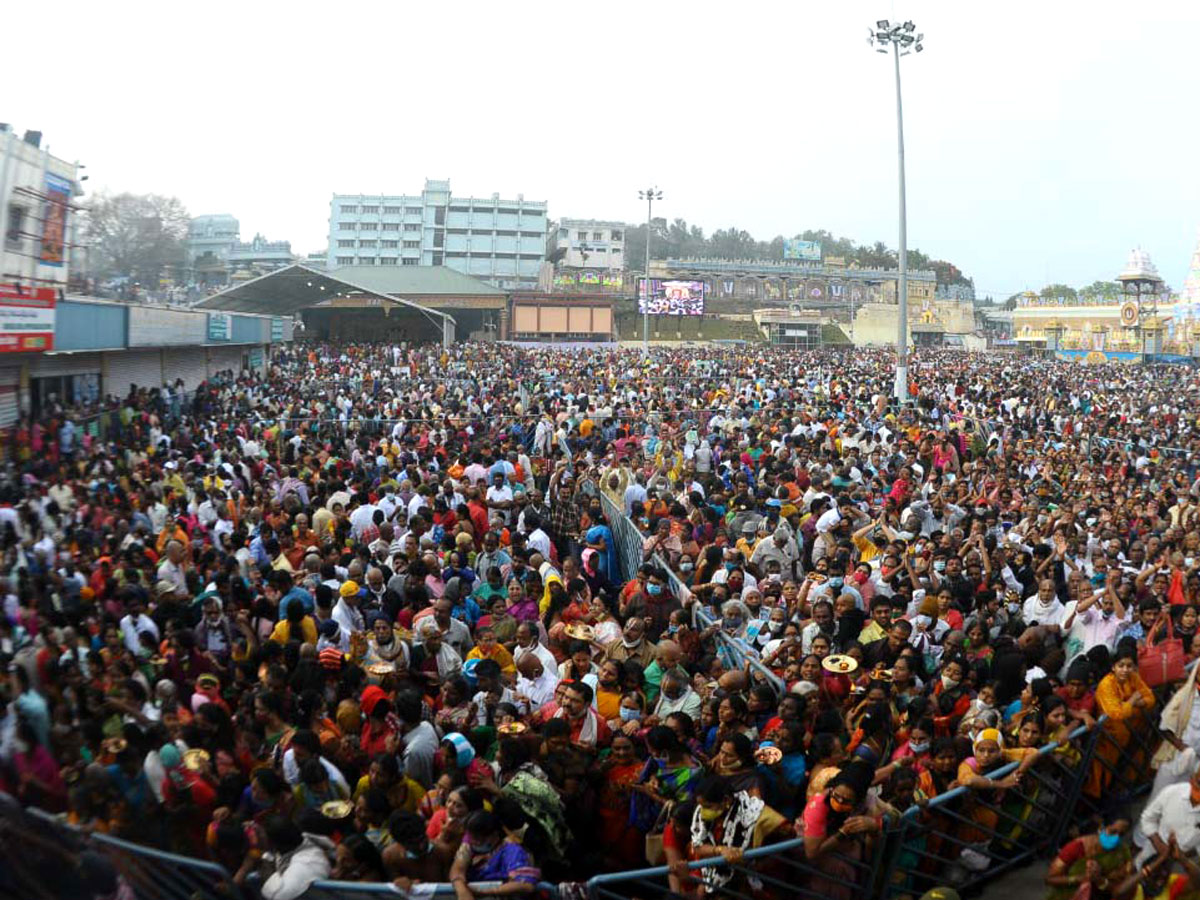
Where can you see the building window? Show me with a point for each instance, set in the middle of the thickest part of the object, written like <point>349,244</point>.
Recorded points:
<point>411,226</point>
<point>597,235</point>
<point>370,210</point>
<point>348,226</point>
<point>370,244</point>
<point>387,260</point>
<point>391,210</point>
<point>562,233</point>
<point>582,236</point>
<point>616,251</point>
<point>412,210</point>
<point>368,226</point>
<point>366,260</point>
<point>412,245</point>
<point>411,262</point>
<point>391,226</point>
<point>439,215</point>
<point>534,234</point>
<point>346,244</point>
<point>437,259</point>
<point>345,260</point>
<point>618,235</point>
<point>348,210</point>
<point>389,245</point>
<point>16,224</point>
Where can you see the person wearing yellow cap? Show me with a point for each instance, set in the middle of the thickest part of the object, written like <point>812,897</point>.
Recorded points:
<point>346,610</point>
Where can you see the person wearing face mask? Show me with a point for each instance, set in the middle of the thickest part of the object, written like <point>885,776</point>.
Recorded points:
<point>727,824</point>
<point>485,855</point>
<point>676,696</point>
<point>835,826</point>
<point>632,644</point>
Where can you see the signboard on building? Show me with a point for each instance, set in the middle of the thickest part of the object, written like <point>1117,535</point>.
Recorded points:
<point>256,359</point>
<point>151,326</point>
<point>793,249</point>
<point>54,221</point>
<point>220,326</point>
<point>26,318</point>
<point>276,329</point>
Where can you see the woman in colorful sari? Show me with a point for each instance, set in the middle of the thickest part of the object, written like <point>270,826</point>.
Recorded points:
<point>1128,703</point>
<point>622,844</point>
<point>987,792</point>
<point>1101,859</point>
<point>486,855</point>
<point>839,826</point>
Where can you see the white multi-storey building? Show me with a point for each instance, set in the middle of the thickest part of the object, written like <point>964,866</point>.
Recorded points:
<point>499,241</point>
<point>588,243</point>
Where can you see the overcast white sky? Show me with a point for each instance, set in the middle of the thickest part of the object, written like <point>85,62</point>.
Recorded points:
<point>1045,139</point>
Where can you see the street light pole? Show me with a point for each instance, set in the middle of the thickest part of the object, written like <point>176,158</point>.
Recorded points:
<point>649,195</point>
<point>900,37</point>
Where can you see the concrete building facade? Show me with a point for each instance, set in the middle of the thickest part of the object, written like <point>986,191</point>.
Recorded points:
<point>37,190</point>
<point>502,242</point>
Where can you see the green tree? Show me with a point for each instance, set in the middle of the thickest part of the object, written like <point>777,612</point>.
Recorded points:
<point>1101,290</point>
<point>137,236</point>
<point>1050,291</point>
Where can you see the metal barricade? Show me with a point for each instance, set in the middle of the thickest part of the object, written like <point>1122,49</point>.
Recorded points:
<point>965,837</point>
<point>40,853</point>
<point>777,869</point>
<point>629,540</point>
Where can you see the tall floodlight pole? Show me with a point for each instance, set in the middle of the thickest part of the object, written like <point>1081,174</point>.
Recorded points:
<point>649,195</point>
<point>901,39</point>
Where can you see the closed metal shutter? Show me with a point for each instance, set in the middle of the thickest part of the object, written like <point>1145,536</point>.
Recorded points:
<point>140,367</point>
<point>10,386</point>
<point>223,359</point>
<point>48,365</point>
<point>190,364</point>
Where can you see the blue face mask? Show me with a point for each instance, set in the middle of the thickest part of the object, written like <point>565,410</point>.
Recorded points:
<point>1108,841</point>
<point>733,623</point>
<point>630,715</point>
<point>729,567</point>
<point>1098,579</point>
<point>654,589</point>
<point>836,582</point>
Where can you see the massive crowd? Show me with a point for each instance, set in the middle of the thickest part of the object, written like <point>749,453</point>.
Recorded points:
<point>367,618</point>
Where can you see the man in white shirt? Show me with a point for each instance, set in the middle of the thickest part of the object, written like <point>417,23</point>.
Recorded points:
<point>537,539</point>
<point>1175,811</point>
<point>500,496</point>
<point>346,611</point>
<point>536,683</point>
<point>134,623</point>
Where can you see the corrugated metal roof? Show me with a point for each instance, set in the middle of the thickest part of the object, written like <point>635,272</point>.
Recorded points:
<point>425,280</point>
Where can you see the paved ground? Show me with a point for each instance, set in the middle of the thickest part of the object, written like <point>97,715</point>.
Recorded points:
<point>1024,883</point>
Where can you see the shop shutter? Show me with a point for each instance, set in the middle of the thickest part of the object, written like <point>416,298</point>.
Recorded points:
<point>10,386</point>
<point>140,367</point>
<point>223,359</point>
<point>190,364</point>
<point>50,365</point>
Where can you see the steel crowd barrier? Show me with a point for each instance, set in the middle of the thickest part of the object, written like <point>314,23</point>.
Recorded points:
<point>630,542</point>
<point>967,836</point>
<point>774,870</point>
<point>41,855</point>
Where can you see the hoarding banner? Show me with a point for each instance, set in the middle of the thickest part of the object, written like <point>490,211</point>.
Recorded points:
<point>801,249</point>
<point>276,329</point>
<point>26,318</point>
<point>54,221</point>
<point>220,326</point>
<point>671,298</point>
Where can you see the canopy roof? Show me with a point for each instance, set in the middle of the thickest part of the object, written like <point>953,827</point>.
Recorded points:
<point>293,288</point>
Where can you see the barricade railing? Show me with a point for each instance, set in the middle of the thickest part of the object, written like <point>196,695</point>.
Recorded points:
<point>967,836</point>
<point>780,869</point>
<point>40,853</point>
<point>630,542</point>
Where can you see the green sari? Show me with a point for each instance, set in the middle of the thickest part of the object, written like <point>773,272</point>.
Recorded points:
<point>1110,862</point>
